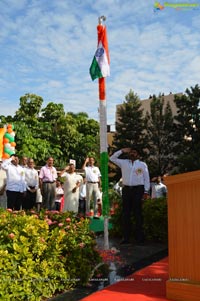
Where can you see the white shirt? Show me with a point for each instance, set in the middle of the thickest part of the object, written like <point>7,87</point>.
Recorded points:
<point>3,198</point>
<point>59,194</point>
<point>48,174</point>
<point>2,178</point>
<point>158,190</point>
<point>118,187</point>
<point>15,176</point>
<point>31,176</point>
<point>73,178</point>
<point>82,191</point>
<point>92,173</point>
<point>71,199</point>
<point>133,173</point>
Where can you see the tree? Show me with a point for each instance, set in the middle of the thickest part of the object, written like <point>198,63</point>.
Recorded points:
<point>161,141</point>
<point>30,106</point>
<point>188,124</point>
<point>79,137</point>
<point>52,121</point>
<point>129,127</point>
<point>130,124</point>
<point>89,143</point>
<point>49,131</point>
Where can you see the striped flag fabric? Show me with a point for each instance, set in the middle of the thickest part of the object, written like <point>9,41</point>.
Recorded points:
<point>100,66</point>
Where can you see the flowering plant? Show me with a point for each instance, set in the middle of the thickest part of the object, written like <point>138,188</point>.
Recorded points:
<point>111,255</point>
<point>43,253</point>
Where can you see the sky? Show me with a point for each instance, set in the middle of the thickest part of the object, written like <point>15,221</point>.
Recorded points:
<point>47,46</point>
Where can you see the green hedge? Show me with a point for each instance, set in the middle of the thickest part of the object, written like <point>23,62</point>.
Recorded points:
<point>156,220</point>
<point>154,217</point>
<point>43,254</point>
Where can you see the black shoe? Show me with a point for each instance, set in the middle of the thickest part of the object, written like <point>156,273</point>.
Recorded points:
<point>96,217</point>
<point>125,243</point>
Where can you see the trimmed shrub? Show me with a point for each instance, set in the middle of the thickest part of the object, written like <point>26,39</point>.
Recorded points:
<point>43,254</point>
<point>155,220</point>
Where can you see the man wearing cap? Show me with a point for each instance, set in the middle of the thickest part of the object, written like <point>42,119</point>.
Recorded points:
<point>3,199</point>
<point>136,185</point>
<point>16,184</point>
<point>71,188</point>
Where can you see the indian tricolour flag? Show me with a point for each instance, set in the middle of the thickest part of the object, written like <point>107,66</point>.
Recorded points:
<point>100,66</point>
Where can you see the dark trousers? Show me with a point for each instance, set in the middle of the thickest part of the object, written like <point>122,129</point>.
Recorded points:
<point>82,206</point>
<point>49,195</point>
<point>57,206</point>
<point>29,202</point>
<point>14,199</point>
<point>132,201</point>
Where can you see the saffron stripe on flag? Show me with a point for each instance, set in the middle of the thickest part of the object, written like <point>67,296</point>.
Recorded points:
<point>100,66</point>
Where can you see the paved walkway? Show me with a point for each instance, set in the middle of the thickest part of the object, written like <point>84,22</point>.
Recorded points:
<point>135,257</point>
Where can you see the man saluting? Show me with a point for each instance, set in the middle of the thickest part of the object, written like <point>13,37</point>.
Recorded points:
<point>136,184</point>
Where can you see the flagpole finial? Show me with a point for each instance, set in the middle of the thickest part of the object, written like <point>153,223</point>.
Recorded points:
<point>101,19</point>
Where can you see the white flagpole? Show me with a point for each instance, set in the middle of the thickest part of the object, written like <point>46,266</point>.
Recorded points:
<point>104,152</point>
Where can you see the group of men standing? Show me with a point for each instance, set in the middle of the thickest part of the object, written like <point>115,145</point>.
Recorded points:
<point>26,188</point>
<point>74,186</point>
<point>20,183</point>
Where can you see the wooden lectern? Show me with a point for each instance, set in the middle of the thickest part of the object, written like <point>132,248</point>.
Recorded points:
<point>184,236</point>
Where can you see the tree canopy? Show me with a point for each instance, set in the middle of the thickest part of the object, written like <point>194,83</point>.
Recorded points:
<point>49,131</point>
<point>160,136</point>
<point>168,143</point>
<point>130,124</point>
<point>188,126</point>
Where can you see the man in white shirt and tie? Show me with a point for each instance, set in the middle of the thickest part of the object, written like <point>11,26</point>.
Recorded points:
<point>136,185</point>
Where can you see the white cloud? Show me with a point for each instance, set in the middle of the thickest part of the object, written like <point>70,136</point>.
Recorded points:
<point>47,48</point>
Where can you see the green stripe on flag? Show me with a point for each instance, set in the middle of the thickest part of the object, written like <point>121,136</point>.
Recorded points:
<point>95,71</point>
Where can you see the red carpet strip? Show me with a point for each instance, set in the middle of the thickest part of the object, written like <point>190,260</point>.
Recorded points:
<point>148,284</point>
